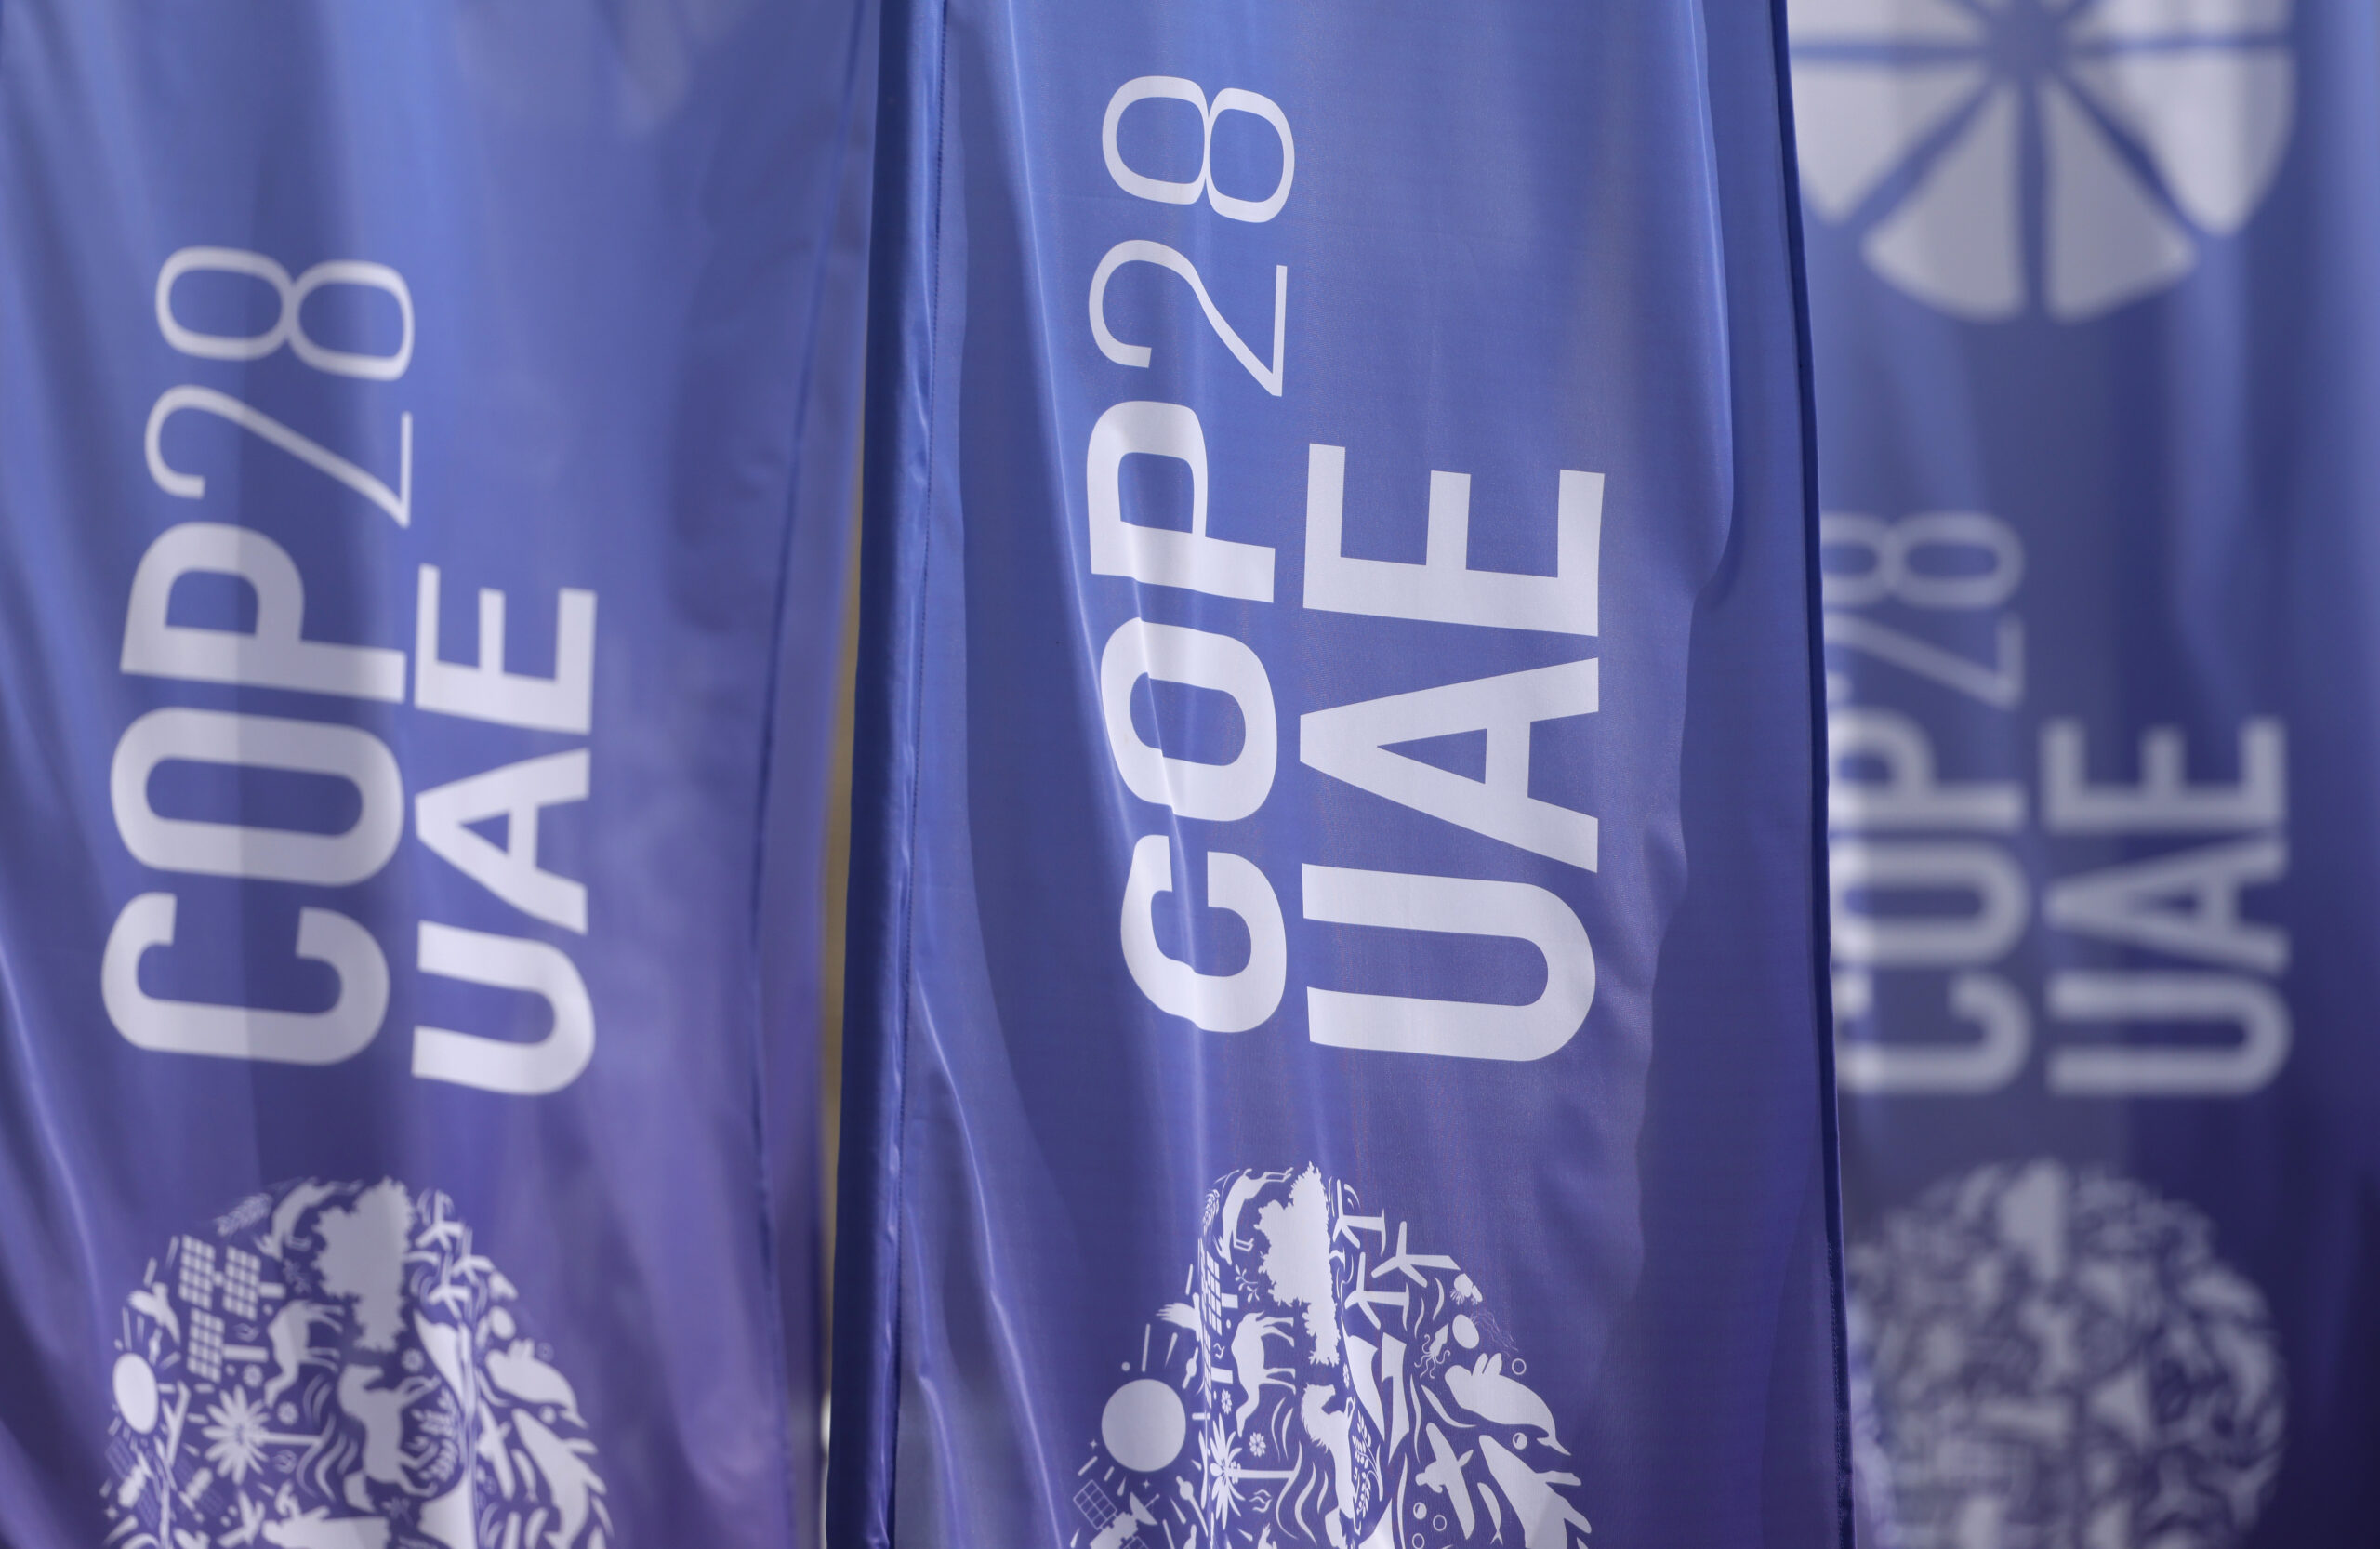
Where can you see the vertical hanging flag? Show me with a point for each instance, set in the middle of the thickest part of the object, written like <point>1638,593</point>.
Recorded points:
<point>420,433</point>
<point>2098,358</point>
<point>1336,1043</point>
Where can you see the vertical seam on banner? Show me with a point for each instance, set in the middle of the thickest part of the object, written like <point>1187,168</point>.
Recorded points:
<point>771,1264</point>
<point>772,1277</point>
<point>907,985</point>
<point>1822,953</point>
<point>896,494</point>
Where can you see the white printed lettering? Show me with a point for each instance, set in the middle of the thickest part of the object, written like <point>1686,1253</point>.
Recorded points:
<point>1219,792</point>
<point>500,1064</point>
<point>1460,905</point>
<point>348,753</point>
<point>2004,1038</point>
<point>1980,935</point>
<point>2164,801</point>
<point>1442,586</point>
<point>1909,795</point>
<point>1217,1002</point>
<point>1351,743</point>
<point>518,793</point>
<point>565,702</point>
<point>2231,1069</point>
<point>2186,903</point>
<point>243,1032</point>
<point>272,655</point>
<point>1161,556</point>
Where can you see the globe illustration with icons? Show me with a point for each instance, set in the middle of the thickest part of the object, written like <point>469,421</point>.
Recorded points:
<point>335,1366</point>
<point>2007,158</point>
<point>2048,1359</point>
<point>1323,1380</point>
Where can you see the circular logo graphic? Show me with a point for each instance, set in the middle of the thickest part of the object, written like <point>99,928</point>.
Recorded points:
<point>1999,152</point>
<point>334,1367</point>
<point>2043,1359</point>
<point>1323,1382</point>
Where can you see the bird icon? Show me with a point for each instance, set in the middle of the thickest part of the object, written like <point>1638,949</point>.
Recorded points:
<point>150,1303</point>
<point>1445,1476</point>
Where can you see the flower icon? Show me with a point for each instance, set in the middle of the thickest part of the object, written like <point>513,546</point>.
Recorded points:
<point>2070,154</point>
<point>236,1435</point>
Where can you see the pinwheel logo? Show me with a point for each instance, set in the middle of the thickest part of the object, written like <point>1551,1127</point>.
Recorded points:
<point>1999,156</point>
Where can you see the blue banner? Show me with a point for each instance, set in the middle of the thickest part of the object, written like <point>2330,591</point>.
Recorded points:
<point>1337,1054</point>
<point>426,447</point>
<point>2098,357</point>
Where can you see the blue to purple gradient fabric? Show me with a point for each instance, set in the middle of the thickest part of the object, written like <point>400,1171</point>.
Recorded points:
<point>2098,358</point>
<point>1336,1050</point>
<point>425,441</point>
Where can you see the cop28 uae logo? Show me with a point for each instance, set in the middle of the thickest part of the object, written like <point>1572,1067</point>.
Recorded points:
<point>2071,153</point>
<point>333,1366</point>
<point>1323,1382</point>
<point>2044,1358</point>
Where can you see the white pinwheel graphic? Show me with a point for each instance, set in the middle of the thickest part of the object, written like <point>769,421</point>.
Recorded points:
<point>1997,153</point>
